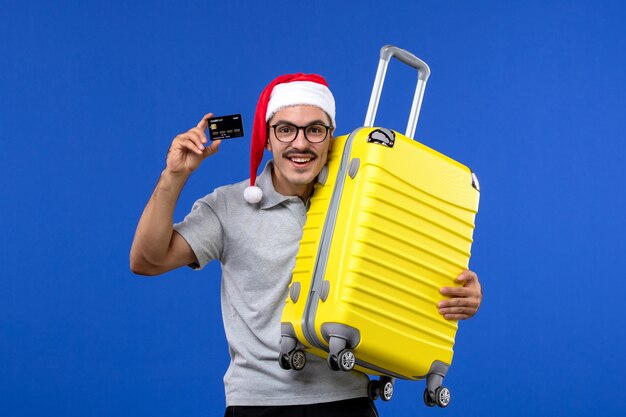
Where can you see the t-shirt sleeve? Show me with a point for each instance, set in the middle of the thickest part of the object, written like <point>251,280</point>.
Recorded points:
<point>203,231</point>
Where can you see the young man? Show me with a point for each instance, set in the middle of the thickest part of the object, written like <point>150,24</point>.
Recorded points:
<point>256,239</point>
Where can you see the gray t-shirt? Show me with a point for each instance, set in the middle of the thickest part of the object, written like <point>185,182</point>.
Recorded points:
<point>257,245</point>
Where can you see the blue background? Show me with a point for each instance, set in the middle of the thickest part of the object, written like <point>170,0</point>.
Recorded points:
<point>531,95</point>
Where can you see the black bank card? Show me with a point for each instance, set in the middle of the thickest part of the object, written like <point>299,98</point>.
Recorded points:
<point>225,127</point>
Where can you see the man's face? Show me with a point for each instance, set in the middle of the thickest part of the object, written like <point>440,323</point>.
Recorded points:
<point>297,164</point>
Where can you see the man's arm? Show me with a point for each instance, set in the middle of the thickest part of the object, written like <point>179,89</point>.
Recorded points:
<point>465,300</point>
<point>157,248</point>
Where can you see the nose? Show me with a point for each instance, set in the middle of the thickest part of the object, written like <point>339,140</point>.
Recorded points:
<point>300,141</point>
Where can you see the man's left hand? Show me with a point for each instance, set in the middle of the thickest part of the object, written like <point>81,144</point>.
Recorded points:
<point>465,300</point>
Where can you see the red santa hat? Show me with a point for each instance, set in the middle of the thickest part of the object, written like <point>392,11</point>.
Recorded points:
<point>284,91</point>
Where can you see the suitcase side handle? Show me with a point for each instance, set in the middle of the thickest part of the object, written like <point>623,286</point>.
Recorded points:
<point>423,72</point>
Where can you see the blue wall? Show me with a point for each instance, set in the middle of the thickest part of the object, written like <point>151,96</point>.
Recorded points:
<point>531,95</point>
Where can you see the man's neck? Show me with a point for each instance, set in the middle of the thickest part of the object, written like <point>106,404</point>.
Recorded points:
<point>304,192</point>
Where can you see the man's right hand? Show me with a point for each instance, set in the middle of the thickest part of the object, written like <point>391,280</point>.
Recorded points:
<point>156,247</point>
<point>188,149</point>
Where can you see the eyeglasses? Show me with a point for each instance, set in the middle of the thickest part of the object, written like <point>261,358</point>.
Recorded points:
<point>287,132</point>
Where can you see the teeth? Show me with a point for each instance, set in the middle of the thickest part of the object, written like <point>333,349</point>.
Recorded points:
<point>300,160</point>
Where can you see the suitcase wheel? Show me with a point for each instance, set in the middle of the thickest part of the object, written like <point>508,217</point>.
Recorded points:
<point>382,388</point>
<point>283,361</point>
<point>297,360</point>
<point>428,399</point>
<point>346,360</point>
<point>373,390</point>
<point>442,397</point>
<point>386,388</point>
<point>332,362</point>
<point>343,361</point>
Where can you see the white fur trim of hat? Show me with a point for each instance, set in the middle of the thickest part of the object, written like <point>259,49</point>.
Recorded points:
<point>301,93</point>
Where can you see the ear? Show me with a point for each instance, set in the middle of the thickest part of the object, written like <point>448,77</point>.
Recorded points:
<point>268,145</point>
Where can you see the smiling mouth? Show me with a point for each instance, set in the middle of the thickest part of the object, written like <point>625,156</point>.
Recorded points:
<point>300,159</point>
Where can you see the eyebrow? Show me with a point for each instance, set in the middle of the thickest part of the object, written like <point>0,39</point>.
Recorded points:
<point>313,122</point>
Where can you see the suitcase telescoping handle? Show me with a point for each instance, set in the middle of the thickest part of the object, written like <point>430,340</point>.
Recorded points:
<point>386,52</point>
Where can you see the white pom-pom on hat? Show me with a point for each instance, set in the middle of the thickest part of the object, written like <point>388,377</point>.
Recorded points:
<point>253,194</point>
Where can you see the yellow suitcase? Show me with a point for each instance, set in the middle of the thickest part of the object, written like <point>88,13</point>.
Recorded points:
<point>390,223</point>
